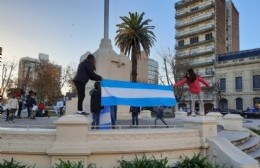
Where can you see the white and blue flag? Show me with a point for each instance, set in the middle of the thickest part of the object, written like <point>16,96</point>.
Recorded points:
<point>136,94</point>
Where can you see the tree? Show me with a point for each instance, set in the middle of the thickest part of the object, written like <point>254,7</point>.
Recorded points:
<point>7,80</point>
<point>132,34</point>
<point>46,82</point>
<point>177,70</point>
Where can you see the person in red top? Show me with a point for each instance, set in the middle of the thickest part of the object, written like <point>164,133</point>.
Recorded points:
<point>41,108</point>
<point>193,81</point>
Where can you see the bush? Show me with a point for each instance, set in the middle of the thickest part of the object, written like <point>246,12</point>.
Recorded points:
<point>257,131</point>
<point>195,162</point>
<point>144,162</point>
<point>13,164</point>
<point>69,164</point>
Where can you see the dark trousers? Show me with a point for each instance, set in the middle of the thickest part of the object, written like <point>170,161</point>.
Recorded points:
<point>29,111</point>
<point>20,109</point>
<point>95,122</point>
<point>7,115</point>
<point>80,86</point>
<point>134,118</point>
<point>113,115</point>
<point>159,118</point>
<point>11,115</point>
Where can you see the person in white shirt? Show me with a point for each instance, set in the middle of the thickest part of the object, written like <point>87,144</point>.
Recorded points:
<point>13,105</point>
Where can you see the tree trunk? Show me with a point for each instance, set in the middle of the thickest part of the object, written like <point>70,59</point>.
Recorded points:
<point>134,65</point>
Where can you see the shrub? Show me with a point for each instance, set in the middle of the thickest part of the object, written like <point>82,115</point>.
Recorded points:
<point>13,164</point>
<point>257,131</point>
<point>144,162</point>
<point>195,162</point>
<point>69,164</point>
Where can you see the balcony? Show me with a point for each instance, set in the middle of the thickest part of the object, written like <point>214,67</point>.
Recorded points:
<point>195,20</point>
<point>190,11</point>
<point>192,54</point>
<point>207,62</point>
<point>187,45</point>
<point>182,3</point>
<point>207,73</point>
<point>198,30</point>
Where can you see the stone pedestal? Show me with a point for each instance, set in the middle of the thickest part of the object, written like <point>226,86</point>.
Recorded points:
<point>217,116</point>
<point>180,114</point>
<point>71,133</point>
<point>145,114</point>
<point>233,122</point>
<point>207,126</point>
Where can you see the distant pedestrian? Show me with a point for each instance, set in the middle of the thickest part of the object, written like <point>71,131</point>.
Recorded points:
<point>85,72</point>
<point>113,115</point>
<point>41,108</point>
<point>135,112</point>
<point>32,103</point>
<point>12,107</point>
<point>27,103</point>
<point>20,99</point>
<point>159,116</point>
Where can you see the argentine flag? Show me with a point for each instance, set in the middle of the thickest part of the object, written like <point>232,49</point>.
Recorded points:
<point>135,94</point>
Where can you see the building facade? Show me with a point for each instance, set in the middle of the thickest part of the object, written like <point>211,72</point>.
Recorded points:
<point>202,34</point>
<point>238,74</point>
<point>27,71</point>
<point>153,71</point>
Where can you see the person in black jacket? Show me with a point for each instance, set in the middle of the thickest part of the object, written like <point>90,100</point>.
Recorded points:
<point>135,112</point>
<point>85,72</point>
<point>95,104</point>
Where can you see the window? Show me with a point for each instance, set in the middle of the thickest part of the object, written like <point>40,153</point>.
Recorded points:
<point>194,9</point>
<point>208,36</point>
<point>194,40</point>
<point>222,84</point>
<point>181,43</point>
<point>256,82</point>
<point>239,83</point>
<point>239,103</point>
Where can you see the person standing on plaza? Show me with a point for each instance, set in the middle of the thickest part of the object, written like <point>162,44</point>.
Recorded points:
<point>113,115</point>
<point>32,103</point>
<point>12,106</point>
<point>95,104</point>
<point>193,82</point>
<point>135,112</point>
<point>41,108</point>
<point>159,116</point>
<point>20,99</point>
<point>85,72</point>
<point>27,103</point>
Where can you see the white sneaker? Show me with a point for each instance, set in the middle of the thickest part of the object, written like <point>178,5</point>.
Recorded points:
<point>82,113</point>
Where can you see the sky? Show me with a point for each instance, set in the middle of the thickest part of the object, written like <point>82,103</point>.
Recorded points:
<point>66,29</point>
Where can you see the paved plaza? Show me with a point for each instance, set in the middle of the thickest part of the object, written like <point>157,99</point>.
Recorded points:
<point>46,122</point>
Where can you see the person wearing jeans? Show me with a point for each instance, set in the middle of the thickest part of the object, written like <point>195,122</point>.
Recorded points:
<point>193,82</point>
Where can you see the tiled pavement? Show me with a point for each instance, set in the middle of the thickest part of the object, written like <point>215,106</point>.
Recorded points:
<point>46,122</point>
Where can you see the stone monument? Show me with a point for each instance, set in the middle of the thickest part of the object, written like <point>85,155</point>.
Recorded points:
<point>110,65</point>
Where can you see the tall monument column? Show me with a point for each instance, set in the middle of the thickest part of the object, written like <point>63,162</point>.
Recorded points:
<point>106,19</point>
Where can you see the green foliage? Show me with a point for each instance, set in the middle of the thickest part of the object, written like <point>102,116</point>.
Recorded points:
<point>144,162</point>
<point>257,131</point>
<point>69,164</point>
<point>13,164</point>
<point>195,162</point>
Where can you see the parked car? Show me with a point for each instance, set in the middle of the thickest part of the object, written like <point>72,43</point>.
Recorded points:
<point>234,111</point>
<point>223,112</point>
<point>251,113</point>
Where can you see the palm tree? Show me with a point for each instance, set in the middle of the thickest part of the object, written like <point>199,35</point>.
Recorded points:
<point>132,34</point>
